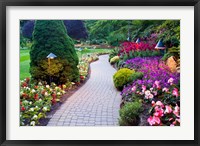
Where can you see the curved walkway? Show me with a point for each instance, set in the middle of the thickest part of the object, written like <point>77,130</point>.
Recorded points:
<point>96,103</point>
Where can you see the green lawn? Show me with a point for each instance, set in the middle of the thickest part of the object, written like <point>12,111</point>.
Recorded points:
<point>25,59</point>
<point>24,64</point>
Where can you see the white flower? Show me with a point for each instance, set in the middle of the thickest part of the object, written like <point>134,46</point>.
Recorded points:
<point>72,83</point>
<point>63,91</point>
<point>31,109</point>
<point>51,89</point>
<point>27,88</point>
<point>47,86</point>
<point>46,94</point>
<point>35,117</point>
<point>30,102</point>
<point>45,109</point>
<point>32,91</point>
<point>36,107</point>
<point>170,81</point>
<point>40,100</point>
<point>58,93</point>
<point>147,92</point>
<point>40,83</point>
<point>32,123</point>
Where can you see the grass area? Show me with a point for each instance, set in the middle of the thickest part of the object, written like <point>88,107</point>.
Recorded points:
<point>25,59</point>
<point>89,51</point>
<point>24,64</point>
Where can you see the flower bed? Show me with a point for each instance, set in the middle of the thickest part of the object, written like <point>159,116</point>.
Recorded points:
<point>131,49</point>
<point>158,90</point>
<point>37,100</point>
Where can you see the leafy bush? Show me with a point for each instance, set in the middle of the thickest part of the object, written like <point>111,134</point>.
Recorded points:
<point>136,75</point>
<point>113,53</point>
<point>114,59</point>
<point>50,36</point>
<point>122,77</point>
<point>129,113</point>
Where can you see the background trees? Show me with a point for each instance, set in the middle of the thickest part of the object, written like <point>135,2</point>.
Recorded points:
<point>50,36</point>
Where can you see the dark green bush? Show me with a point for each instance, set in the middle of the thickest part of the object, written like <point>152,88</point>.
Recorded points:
<point>50,36</point>
<point>129,113</point>
<point>122,77</point>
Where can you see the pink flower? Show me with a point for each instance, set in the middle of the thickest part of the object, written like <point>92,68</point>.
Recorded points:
<point>159,112</point>
<point>168,109</point>
<point>165,89</point>
<point>175,92</point>
<point>133,88</point>
<point>143,88</point>
<point>153,120</point>
<point>176,111</point>
<point>159,103</point>
<point>170,81</point>
<point>155,93</point>
<point>157,83</point>
<point>178,120</point>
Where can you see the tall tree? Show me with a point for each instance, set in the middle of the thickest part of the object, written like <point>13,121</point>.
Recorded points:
<point>50,36</point>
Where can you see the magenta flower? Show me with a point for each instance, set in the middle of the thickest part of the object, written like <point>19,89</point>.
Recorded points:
<point>175,92</point>
<point>153,120</point>
<point>168,109</point>
<point>159,103</point>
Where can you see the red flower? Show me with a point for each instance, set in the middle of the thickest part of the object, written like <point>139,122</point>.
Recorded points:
<point>43,91</point>
<point>23,108</point>
<point>53,101</point>
<point>54,96</point>
<point>24,95</point>
<point>27,80</point>
<point>36,97</point>
<point>36,87</point>
<point>24,84</point>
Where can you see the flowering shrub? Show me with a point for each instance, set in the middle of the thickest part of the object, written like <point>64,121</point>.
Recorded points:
<point>36,100</point>
<point>132,49</point>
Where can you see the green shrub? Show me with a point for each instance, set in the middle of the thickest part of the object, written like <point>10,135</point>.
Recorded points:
<point>122,77</point>
<point>114,59</point>
<point>136,75</point>
<point>50,36</point>
<point>129,113</point>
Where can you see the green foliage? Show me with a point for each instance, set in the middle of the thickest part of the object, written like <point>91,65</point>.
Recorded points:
<point>50,36</point>
<point>122,77</point>
<point>113,53</point>
<point>136,75</point>
<point>175,51</point>
<point>170,33</point>
<point>129,113</point>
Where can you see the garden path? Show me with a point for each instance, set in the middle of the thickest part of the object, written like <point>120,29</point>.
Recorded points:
<point>96,103</point>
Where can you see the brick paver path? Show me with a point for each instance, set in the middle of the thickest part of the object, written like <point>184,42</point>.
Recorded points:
<point>96,103</point>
